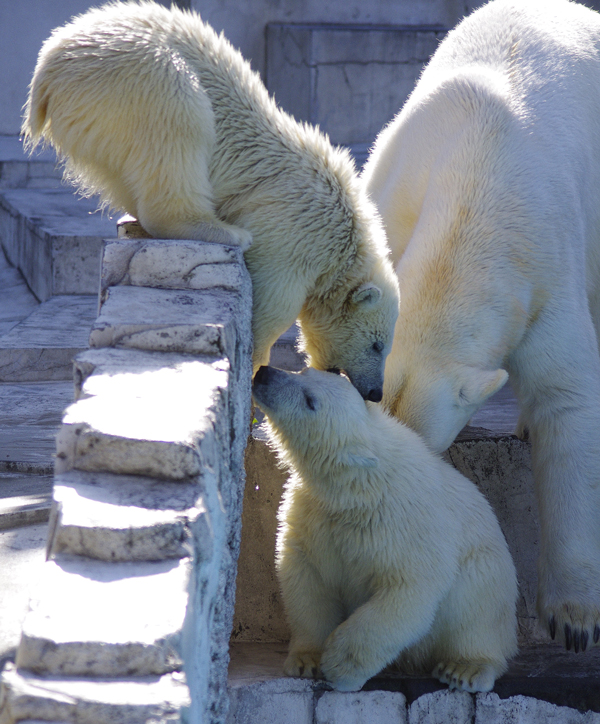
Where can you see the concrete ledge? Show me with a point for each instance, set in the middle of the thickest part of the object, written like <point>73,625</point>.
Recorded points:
<point>26,697</point>
<point>91,618</point>
<point>190,321</point>
<point>128,518</point>
<point>544,683</point>
<point>168,423</point>
<point>42,346</point>
<point>54,238</point>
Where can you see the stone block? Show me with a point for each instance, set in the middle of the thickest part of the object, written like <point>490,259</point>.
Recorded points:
<point>128,518</point>
<point>16,299</point>
<point>31,415</point>
<point>26,697</point>
<point>449,707</point>
<point>348,79</point>
<point>490,709</point>
<point>172,264</point>
<point>362,707</point>
<point>166,422</point>
<point>54,239</point>
<point>280,701</point>
<point>42,346</point>
<point>500,466</point>
<point>91,618</point>
<point>190,321</point>
<point>22,552</point>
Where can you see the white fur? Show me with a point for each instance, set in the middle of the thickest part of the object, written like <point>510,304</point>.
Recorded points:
<point>488,182</point>
<point>384,551</point>
<point>161,116</point>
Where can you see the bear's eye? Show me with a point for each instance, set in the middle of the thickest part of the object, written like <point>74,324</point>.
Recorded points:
<point>311,403</point>
<point>378,346</point>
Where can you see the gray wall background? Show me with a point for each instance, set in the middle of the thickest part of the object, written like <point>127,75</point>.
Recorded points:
<point>347,65</point>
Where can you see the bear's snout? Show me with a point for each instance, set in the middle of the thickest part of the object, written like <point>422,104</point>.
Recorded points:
<point>263,375</point>
<point>375,395</point>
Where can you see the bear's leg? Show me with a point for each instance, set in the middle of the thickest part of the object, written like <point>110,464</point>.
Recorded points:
<point>278,294</point>
<point>375,634</point>
<point>556,371</point>
<point>311,609</point>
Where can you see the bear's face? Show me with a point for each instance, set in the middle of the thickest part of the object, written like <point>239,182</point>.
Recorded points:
<point>354,334</point>
<point>437,401</point>
<point>319,417</point>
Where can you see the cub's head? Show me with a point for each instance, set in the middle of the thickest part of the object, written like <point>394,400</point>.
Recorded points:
<point>318,418</point>
<point>355,333</point>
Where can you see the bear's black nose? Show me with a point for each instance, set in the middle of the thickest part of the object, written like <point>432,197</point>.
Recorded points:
<point>263,375</point>
<point>375,395</point>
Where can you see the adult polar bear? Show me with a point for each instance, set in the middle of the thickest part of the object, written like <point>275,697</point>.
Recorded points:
<point>162,117</point>
<point>488,182</point>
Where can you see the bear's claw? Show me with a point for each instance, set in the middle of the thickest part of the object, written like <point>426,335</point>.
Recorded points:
<point>463,676</point>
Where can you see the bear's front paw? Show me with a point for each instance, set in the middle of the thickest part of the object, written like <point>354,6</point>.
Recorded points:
<point>569,605</point>
<point>304,664</point>
<point>341,663</point>
<point>469,676</point>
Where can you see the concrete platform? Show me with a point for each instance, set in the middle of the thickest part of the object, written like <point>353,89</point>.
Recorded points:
<point>545,673</point>
<point>42,346</point>
<point>54,239</point>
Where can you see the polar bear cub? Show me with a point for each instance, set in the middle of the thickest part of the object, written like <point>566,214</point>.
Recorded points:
<point>384,553</point>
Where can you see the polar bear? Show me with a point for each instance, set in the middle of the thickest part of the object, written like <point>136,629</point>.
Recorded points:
<point>160,115</point>
<point>488,182</point>
<point>384,551</point>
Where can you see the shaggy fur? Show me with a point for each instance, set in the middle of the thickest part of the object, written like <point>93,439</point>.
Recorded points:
<point>488,182</point>
<point>158,114</point>
<point>384,551</point>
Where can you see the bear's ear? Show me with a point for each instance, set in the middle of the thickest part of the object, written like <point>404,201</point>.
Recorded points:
<point>477,385</point>
<point>357,456</point>
<point>367,294</point>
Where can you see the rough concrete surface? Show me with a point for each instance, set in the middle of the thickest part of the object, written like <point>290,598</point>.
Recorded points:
<point>22,552</point>
<point>25,697</point>
<point>128,518</point>
<point>42,346</point>
<point>91,618</point>
<point>192,321</point>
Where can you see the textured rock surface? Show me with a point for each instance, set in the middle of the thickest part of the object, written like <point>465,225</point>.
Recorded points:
<point>54,239</point>
<point>43,345</point>
<point>90,618</point>
<point>383,707</point>
<point>192,321</point>
<point>29,698</point>
<point>128,518</point>
<point>166,422</point>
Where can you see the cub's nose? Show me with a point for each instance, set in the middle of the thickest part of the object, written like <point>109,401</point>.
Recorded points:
<point>375,395</point>
<point>263,375</point>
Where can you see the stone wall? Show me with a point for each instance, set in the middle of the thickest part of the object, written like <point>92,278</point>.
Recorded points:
<point>132,617</point>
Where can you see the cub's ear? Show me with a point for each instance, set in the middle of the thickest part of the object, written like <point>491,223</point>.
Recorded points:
<point>357,456</point>
<point>367,294</point>
<point>477,385</point>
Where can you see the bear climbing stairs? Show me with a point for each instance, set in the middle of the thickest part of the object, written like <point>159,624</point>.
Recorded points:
<point>133,544</point>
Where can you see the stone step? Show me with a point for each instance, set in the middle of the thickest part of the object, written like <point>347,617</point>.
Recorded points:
<point>22,556</point>
<point>32,699</point>
<point>42,346</point>
<point>543,683</point>
<point>128,518</point>
<point>54,238</point>
<point>192,321</point>
<point>18,169</point>
<point>31,417</point>
<point>92,618</point>
<point>24,499</point>
<point>16,299</point>
<point>167,422</point>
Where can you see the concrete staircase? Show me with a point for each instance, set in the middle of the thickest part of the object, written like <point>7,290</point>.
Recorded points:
<point>141,536</point>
